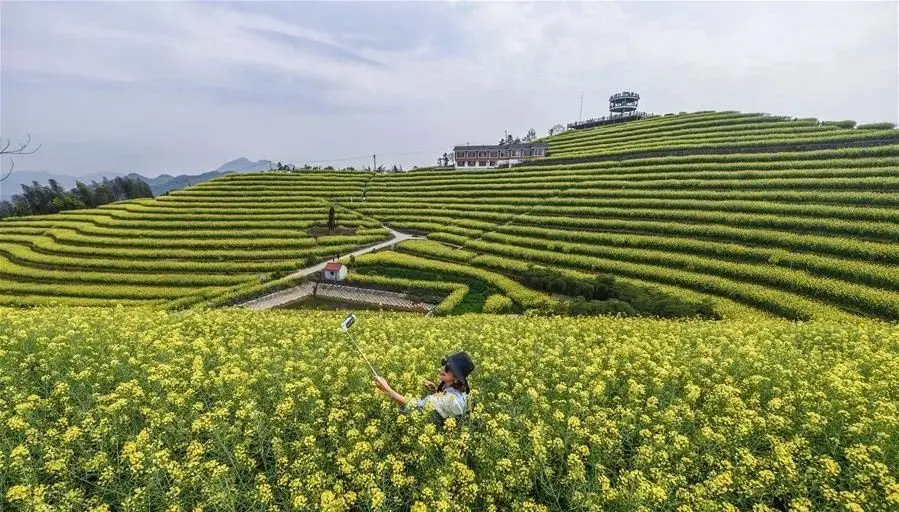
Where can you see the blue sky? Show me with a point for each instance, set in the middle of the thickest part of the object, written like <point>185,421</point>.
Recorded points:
<point>182,87</point>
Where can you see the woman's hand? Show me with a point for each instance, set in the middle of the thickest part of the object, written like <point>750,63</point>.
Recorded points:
<point>430,386</point>
<point>382,384</point>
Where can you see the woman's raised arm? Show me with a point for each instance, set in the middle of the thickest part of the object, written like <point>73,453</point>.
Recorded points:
<point>382,384</point>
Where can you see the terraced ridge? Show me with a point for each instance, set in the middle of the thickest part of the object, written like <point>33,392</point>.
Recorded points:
<point>668,201</point>
<point>797,234</point>
<point>709,131</point>
<point>197,243</point>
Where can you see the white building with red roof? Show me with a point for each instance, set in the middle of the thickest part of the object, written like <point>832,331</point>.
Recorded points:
<point>334,271</point>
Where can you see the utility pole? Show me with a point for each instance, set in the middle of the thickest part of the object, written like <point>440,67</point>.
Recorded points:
<point>580,114</point>
<point>374,159</point>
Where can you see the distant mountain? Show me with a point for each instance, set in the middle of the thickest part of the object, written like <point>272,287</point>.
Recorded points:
<point>165,182</point>
<point>159,184</point>
<point>244,165</point>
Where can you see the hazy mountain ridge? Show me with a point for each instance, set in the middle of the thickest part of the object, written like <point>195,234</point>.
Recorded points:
<point>159,184</point>
<point>243,165</point>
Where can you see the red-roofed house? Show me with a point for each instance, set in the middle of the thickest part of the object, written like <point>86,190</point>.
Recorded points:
<point>334,271</point>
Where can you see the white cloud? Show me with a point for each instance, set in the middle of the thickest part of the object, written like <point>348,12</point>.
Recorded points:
<point>186,85</point>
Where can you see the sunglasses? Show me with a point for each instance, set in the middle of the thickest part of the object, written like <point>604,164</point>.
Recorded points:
<point>446,367</point>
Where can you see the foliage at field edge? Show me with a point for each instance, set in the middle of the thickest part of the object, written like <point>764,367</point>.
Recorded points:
<point>129,409</point>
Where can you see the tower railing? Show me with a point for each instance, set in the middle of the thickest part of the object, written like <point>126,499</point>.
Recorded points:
<point>606,119</point>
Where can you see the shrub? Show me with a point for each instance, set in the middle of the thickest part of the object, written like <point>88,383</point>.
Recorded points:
<point>498,304</point>
<point>842,124</point>
<point>583,307</point>
<point>876,126</point>
<point>604,295</point>
<point>452,300</point>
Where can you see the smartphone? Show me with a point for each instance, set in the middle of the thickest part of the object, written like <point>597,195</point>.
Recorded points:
<point>348,322</point>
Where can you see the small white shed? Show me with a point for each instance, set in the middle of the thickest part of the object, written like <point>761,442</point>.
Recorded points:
<point>334,271</point>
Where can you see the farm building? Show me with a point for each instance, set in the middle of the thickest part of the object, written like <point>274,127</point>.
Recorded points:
<point>498,155</point>
<point>334,271</point>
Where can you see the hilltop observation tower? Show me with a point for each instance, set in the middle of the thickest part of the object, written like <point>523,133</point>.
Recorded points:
<point>623,104</point>
<point>622,108</point>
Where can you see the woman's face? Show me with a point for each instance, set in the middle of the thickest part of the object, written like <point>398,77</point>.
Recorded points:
<point>447,376</point>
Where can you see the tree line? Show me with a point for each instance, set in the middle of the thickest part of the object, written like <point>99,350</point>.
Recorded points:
<point>38,199</point>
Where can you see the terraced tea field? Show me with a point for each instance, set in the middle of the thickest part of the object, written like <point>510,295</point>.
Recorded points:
<point>798,234</point>
<point>191,245</point>
<point>755,215</point>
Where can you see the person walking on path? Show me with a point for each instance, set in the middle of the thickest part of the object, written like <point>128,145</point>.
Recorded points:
<point>450,397</point>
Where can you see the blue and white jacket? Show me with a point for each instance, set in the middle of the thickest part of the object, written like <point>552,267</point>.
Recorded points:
<point>447,403</point>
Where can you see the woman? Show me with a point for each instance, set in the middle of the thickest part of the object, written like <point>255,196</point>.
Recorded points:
<point>450,397</point>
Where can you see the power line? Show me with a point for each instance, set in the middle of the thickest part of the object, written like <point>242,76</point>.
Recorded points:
<point>415,152</point>
<point>360,157</point>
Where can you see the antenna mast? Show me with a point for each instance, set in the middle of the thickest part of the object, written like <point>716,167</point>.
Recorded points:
<point>580,113</point>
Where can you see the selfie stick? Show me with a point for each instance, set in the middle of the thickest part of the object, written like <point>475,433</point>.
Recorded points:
<point>345,326</point>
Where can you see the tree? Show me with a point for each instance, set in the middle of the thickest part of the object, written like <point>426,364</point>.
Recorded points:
<point>66,202</point>
<point>287,167</point>
<point>532,134</point>
<point>21,149</point>
<point>556,129</point>
<point>42,199</point>
<point>84,194</point>
<point>332,222</point>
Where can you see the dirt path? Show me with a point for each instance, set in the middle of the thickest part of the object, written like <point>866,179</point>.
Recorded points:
<point>291,294</point>
<point>397,238</point>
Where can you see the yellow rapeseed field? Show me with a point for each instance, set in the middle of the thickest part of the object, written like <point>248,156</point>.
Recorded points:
<point>125,409</point>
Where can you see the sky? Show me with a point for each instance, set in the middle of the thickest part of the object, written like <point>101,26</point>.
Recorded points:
<point>183,87</point>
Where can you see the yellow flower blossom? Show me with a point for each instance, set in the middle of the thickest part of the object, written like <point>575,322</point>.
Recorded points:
<point>247,410</point>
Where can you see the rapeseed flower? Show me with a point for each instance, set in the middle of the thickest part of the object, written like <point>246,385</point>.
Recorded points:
<point>236,409</point>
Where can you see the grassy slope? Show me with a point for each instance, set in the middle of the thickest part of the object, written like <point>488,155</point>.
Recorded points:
<point>800,234</point>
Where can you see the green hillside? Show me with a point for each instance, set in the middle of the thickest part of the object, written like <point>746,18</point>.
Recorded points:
<point>190,245</point>
<point>748,213</point>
